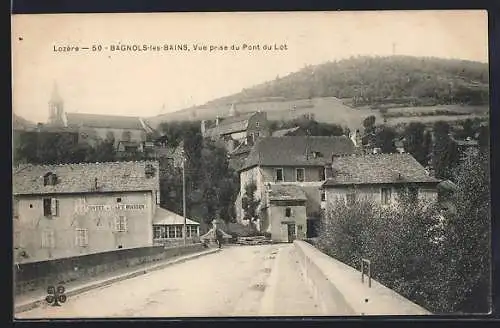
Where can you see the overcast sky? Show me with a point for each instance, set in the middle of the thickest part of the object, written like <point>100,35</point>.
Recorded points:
<point>132,83</point>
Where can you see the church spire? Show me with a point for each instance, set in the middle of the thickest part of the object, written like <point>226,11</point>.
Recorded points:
<point>56,106</point>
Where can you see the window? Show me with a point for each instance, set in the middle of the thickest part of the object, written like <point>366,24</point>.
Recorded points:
<point>50,207</point>
<point>299,228</point>
<point>413,193</point>
<point>157,232</point>
<point>192,231</point>
<point>322,174</point>
<point>82,237</point>
<point>178,231</point>
<point>119,200</point>
<point>279,175</point>
<point>121,223</point>
<point>317,154</point>
<point>157,195</point>
<point>288,212</point>
<point>48,239</point>
<point>257,124</point>
<point>171,232</point>
<point>49,179</point>
<point>386,196</point>
<point>299,175</point>
<point>323,196</point>
<point>350,198</point>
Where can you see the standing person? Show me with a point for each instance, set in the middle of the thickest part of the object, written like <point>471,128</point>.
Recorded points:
<point>218,237</point>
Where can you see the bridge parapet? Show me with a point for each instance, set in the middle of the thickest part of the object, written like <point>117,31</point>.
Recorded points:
<point>339,289</point>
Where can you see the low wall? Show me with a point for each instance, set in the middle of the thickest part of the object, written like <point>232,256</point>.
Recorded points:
<point>36,275</point>
<point>339,289</point>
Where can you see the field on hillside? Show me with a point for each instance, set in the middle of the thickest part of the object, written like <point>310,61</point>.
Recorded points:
<point>328,110</point>
<point>431,119</point>
<point>333,110</point>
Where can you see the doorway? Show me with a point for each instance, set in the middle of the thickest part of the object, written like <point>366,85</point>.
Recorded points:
<point>291,232</point>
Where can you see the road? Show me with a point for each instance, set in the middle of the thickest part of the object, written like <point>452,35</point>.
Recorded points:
<point>238,281</point>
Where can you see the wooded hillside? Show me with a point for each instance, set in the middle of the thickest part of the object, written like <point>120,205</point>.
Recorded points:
<point>374,78</point>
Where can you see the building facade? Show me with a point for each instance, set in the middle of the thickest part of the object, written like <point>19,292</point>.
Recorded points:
<point>294,163</point>
<point>93,128</point>
<point>168,228</point>
<point>238,129</point>
<point>379,178</point>
<point>76,209</point>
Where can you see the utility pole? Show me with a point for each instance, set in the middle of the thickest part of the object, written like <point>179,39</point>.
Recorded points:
<point>184,196</point>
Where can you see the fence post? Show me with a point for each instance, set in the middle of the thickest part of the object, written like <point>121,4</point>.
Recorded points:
<point>368,264</point>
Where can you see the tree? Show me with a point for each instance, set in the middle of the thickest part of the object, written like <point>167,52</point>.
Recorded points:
<point>468,239</point>
<point>250,203</point>
<point>427,146</point>
<point>384,139</point>
<point>415,143</point>
<point>484,138</point>
<point>445,152</point>
<point>369,123</point>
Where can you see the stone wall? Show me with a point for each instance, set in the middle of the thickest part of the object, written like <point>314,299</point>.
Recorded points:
<point>36,275</point>
<point>339,290</point>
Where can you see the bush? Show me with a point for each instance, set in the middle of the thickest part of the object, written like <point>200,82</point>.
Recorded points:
<point>412,250</point>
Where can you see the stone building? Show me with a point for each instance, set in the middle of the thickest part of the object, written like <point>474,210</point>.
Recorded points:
<point>238,129</point>
<point>378,177</point>
<point>76,209</point>
<point>94,127</point>
<point>295,166</point>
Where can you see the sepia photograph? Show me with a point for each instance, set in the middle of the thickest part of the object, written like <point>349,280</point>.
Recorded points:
<point>251,164</point>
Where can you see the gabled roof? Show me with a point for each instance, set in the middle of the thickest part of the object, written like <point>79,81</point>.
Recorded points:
<point>297,150</point>
<point>80,178</point>
<point>230,125</point>
<point>286,192</point>
<point>166,217</point>
<point>106,121</point>
<point>377,169</point>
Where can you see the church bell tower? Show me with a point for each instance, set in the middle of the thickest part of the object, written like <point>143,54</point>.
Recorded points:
<point>56,107</point>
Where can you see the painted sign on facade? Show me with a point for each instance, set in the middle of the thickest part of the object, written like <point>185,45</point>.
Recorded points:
<point>98,208</point>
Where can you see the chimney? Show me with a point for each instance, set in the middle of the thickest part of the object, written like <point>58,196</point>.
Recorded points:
<point>217,121</point>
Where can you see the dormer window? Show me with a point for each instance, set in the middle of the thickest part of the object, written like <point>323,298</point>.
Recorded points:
<point>317,154</point>
<point>49,179</point>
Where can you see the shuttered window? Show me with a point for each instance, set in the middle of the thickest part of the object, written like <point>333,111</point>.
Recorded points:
<point>48,239</point>
<point>82,237</point>
<point>50,207</point>
<point>121,223</point>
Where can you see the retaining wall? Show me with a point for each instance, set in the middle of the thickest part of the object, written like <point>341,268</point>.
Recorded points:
<point>339,289</point>
<point>35,275</point>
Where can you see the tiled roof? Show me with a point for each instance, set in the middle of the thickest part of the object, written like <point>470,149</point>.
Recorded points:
<point>286,192</point>
<point>80,178</point>
<point>230,125</point>
<point>105,121</point>
<point>297,150</point>
<point>378,169</point>
<point>166,217</point>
